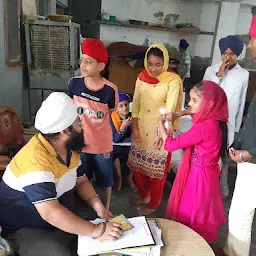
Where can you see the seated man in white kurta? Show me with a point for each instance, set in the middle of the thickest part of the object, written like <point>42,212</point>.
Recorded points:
<point>233,79</point>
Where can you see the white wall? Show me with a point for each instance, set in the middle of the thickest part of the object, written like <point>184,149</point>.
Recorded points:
<point>226,26</point>
<point>11,82</point>
<point>235,19</point>
<point>201,14</point>
<point>250,2</point>
<point>200,45</point>
<point>189,12</point>
<point>244,19</point>
<point>52,7</point>
<point>145,10</point>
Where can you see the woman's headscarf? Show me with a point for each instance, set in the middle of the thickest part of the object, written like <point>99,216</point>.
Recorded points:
<point>165,76</point>
<point>214,106</point>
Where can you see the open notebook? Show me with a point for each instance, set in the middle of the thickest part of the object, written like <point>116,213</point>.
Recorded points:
<point>140,235</point>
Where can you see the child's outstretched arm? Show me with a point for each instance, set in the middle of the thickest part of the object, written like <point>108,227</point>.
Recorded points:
<point>164,133</point>
<point>195,135</point>
<point>172,116</point>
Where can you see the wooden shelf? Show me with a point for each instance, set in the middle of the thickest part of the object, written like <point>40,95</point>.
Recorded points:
<point>173,30</point>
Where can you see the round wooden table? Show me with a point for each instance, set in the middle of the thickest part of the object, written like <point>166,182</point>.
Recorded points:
<point>182,241</point>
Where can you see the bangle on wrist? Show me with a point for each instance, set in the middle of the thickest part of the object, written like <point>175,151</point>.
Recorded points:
<point>102,231</point>
<point>91,197</point>
<point>241,158</point>
<point>158,134</point>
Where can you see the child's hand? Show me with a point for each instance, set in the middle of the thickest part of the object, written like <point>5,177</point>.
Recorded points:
<point>235,155</point>
<point>161,119</point>
<point>136,135</point>
<point>163,132</point>
<point>171,116</point>
<point>125,124</point>
<point>239,156</point>
<point>224,66</point>
<point>158,142</point>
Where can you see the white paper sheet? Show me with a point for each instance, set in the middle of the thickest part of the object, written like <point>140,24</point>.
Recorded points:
<point>156,232</point>
<point>140,235</point>
<point>155,251</point>
<point>123,144</point>
<point>138,252</point>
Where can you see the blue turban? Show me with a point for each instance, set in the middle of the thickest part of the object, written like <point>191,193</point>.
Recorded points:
<point>184,44</point>
<point>232,42</point>
<point>123,97</point>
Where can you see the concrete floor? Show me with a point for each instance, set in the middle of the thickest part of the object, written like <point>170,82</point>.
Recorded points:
<point>120,205</point>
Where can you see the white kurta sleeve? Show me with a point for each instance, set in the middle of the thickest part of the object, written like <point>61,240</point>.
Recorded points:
<point>210,75</point>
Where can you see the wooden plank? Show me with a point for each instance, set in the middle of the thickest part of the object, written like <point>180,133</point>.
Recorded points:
<point>174,30</point>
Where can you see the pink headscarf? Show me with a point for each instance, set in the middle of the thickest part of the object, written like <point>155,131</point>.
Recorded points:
<point>214,106</point>
<point>253,28</point>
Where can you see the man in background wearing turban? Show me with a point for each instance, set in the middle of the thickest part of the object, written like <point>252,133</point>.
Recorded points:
<point>38,186</point>
<point>243,203</point>
<point>185,64</point>
<point>95,98</point>
<point>233,79</point>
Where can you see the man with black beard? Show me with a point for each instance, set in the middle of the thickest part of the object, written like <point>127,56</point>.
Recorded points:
<point>37,190</point>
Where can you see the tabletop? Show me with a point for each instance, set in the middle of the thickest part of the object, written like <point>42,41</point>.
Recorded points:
<point>181,240</point>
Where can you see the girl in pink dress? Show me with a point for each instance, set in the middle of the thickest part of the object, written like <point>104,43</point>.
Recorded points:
<point>196,199</point>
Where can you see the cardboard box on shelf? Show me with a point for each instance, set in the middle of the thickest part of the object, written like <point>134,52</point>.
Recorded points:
<point>123,75</point>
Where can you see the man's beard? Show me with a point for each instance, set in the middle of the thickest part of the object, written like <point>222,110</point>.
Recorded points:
<point>76,141</point>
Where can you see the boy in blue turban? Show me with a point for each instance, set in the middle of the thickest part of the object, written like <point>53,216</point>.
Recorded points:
<point>121,124</point>
<point>233,79</point>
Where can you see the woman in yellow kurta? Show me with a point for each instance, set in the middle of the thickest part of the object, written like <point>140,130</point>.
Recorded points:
<point>156,88</point>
